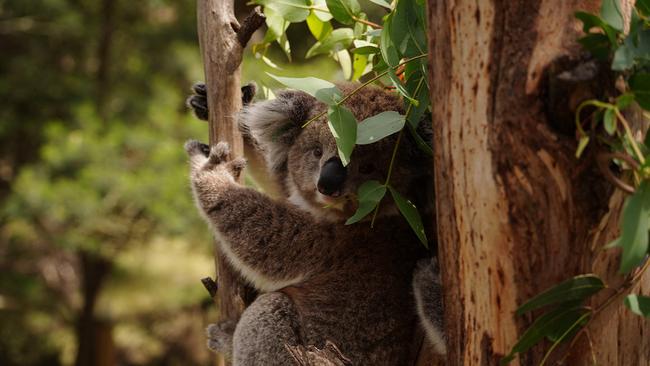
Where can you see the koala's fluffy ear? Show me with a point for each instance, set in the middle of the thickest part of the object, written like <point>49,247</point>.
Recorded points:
<point>274,124</point>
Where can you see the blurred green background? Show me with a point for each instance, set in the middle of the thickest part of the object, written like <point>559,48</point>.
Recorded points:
<point>101,249</point>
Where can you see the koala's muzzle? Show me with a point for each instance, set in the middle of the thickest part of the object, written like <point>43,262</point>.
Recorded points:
<point>332,177</point>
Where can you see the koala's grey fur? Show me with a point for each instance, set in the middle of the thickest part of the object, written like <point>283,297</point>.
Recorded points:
<point>321,280</point>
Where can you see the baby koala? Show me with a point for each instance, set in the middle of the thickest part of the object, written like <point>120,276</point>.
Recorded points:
<point>320,280</point>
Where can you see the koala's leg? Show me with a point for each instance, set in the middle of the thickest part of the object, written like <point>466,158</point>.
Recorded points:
<point>265,327</point>
<point>273,245</point>
<point>220,337</point>
<point>428,302</point>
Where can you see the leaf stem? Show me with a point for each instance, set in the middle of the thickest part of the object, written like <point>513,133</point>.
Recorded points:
<point>363,86</point>
<point>367,22</point>
<point>630,137</point>
<point>394,155</point>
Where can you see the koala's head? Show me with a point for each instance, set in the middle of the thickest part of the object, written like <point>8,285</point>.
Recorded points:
<point>306,163</point>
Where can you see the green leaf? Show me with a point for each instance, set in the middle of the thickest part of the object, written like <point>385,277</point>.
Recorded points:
<point>556,321</point>
<point>337,40</point>
<point>643,6</point>
<point>576,288</point>
<point>636,48</point>
<point>369,195</point>
<point>609,121</point>
<point>640,85</point>
<point>639,305</point>
<point>324,16</point>
<point>343,57</point>
<point>584,141</point>
<point>294,11</point>
<point>624,100</point>
<point>365,50</point>
<point>344,10</point>
<point>359,66</point>
<point>406,31</point>
<point>411,214</point>
<point>598,44</point>
<point>590,21</point>
<point>388,49</point>
<point>635,222</point>
<point>318,28</point>
<point>383,3</point>
<point>377,127</point>
<point>610,12</point>
<point>343,126</point>
<point>322,90</point>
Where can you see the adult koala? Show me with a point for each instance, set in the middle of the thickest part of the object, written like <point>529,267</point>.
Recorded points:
<point>320,280</point>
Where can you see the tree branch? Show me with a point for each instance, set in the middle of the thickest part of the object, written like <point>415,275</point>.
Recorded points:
<point>251,24</point>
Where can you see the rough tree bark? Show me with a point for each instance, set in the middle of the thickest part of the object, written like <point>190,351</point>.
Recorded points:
<point>516,211</point>
<point>222,40</point>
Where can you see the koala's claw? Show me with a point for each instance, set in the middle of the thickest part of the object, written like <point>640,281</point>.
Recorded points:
<point>198,102</point>
<point>194,147</point>
<point>219,153</point>
<point>220,336</point>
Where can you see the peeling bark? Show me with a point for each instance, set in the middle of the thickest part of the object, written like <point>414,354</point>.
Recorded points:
<point>222,40</point>
<point>516,211</point>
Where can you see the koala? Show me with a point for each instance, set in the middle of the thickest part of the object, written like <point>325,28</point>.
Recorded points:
<point>320,281</point>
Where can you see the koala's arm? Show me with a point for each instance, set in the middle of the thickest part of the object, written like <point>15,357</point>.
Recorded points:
<point>272,244</point>
<point>198,103</point>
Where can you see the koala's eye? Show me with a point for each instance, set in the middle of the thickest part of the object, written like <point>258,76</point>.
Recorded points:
<point>318,152</point>
<point>367,168</point>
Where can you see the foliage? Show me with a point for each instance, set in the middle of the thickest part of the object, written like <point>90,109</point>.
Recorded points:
<point>629,56</point>
<point>91,164</point>
<point>391,53</point>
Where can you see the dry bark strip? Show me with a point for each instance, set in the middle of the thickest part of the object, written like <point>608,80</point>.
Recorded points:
<point>222,41</point>
<point>516,212</point>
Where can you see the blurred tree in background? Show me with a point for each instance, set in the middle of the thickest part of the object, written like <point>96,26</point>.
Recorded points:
<point>101,251</point>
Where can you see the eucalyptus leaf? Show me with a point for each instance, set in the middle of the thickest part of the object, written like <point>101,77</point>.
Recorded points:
<point>369,195</point>
<point>640,85</point>
<point>343,126</point>
<point>321,10</point>
<point>320,89</point>
<point>638,304</point>
<point>556,321</point>
<point>386,45</point>
<point>611,13</point>
<point>359,66</point>
<point>643,6</point>
<point>609,121</point>
<point>411,214</point>
<point>318,28</point>
<point>377,127</point>
<point>335,41</point>
<point>294,11</point>
<point>383,3</point>
<point>635,224</point>
<point>344,10</point>
<point>576,288</point>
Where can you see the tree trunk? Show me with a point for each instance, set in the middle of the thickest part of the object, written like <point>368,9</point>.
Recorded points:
<point>516,211</point>
<point>222,41</point>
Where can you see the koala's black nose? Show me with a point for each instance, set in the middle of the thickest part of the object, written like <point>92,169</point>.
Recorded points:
<point>332,177</point>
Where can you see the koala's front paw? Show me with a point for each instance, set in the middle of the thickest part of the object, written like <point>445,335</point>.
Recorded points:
<point>220,336</point>
<point>198,100</point>
<point>212,167</point>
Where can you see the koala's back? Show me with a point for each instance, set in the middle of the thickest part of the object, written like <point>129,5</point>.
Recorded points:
<point>360,300</point>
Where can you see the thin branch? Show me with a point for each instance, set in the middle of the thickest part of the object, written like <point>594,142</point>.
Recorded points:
<point>251,24</point>
<point>363,86</point>
<point>367,22</point>
<point>210,285</point>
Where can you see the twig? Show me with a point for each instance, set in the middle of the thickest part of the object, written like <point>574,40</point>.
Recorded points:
<point>210,285</point>
<point>363,86</point>
<point>603,160</point>
<point>252,22</point>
